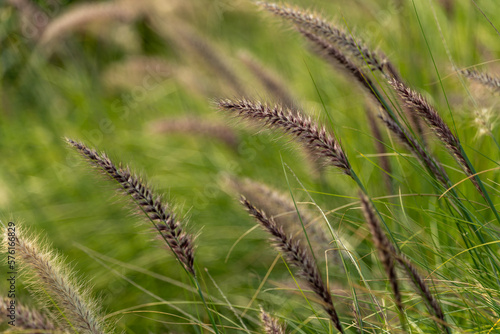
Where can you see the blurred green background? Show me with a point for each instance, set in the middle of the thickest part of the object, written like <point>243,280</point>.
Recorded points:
<point>109,75</point>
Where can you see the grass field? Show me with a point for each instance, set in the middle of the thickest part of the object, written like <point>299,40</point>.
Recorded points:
<point>145,82</point>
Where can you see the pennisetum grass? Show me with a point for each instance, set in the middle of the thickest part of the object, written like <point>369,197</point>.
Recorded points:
<point>299,257</point>
<point>334,45</point>
<point>483,78</point>
<point>55,282</point>
<point>82,15</point>
<point>389,255</point>
<point>275,88</point>
<point>164,220</point>
<point>313,137</point>
<point>431,302</point>
<point>279,206</point>
<point>270,324</point>
<point>273,211</point>
<point>417,103</point>
<point>385,164</point>
<point>316,139</point>
<point>332,53</point>
<point>197,126</point>
<point>420,152</point>
<point>28,318</point>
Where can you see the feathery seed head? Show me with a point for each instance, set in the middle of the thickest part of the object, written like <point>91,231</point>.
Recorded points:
<point>28,318</point>
<point>417,103</point>
<point>199,127</point>
<point>414,101</point>
<point>151,205</point>
<point>270,324</point>
<point>386,249</point>
<point>298,256</point>
<point>316,25</point>
<point>301,127</point>
<point>50,275</point>
<point>483,78</point>
<point>80,16</point>
<point>423,289</point>
<point>485,121</point>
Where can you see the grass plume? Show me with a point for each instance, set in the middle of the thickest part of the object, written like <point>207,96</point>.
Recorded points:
<point>333,54</point>
<point>418,150</point>
<point>424,291</point>
<point>165,221</point>
<point>270,324</point>
<point>316,25</point>
<point>301,127</point>
<point>389,255</point>
<point>483,78</point>
<point>338,59</point>
<point>51,276</point>
<point>299,257</point>
<point>274,86</point>
<point>279,206</point>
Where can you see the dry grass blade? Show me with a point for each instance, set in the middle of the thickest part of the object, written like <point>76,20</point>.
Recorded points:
<point>317,140</point>
<point>25,317</point>
<point>299,257</point>
<point>418,150</point>
<point>164,221</point>
<point>384,246</point>
<point>270,324</point>
<point>483,78</point>
<point>52,277</point>
<point>418,104</point>
<point>318,26</point>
